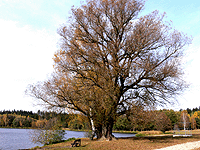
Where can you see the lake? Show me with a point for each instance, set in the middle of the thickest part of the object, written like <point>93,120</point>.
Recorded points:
<point>13,139</point>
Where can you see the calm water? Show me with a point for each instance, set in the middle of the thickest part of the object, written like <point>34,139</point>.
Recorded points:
<point>13,139</point>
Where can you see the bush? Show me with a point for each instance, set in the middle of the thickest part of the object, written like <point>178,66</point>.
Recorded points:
<point>140,135</point>
<point>70,139</point>
<point>47,137</point>
<point>49,133</point>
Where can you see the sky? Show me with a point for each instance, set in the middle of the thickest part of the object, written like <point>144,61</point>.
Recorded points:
<point>29,39</point>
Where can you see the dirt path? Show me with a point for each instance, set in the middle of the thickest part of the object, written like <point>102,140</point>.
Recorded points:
<point>184,146</point>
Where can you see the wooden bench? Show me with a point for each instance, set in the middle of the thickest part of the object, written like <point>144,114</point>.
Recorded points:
<point>76,143</point>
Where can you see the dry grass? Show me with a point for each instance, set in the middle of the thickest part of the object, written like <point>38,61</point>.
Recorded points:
<point>196,131</point>
<point>133,143</point>
<point>150,132</point>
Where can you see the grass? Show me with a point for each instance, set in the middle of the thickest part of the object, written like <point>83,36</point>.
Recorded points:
<point>133,143</point>
<point>147,133</point>
<point>121,131</point>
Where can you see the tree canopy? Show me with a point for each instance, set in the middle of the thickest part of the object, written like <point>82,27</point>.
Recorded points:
<point>111,59</point>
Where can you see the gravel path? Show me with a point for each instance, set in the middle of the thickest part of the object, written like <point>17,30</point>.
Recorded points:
<point>184,146</point>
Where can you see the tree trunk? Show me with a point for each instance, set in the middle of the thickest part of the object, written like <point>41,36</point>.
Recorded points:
<point>92,124</point>
<point>107,131</point>
<point>99,133</point>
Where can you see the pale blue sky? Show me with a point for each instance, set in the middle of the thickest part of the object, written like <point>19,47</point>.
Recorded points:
<point>28,40</point>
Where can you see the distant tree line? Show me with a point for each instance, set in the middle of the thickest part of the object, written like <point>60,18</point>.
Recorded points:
<point>20,118</point>
<point>21,112</point>
<point>191,111</point>
<point>163,120</point>
<point>136,119</point>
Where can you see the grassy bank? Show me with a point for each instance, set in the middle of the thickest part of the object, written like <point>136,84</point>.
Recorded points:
<point>133,143</point>
<point>128,132</point>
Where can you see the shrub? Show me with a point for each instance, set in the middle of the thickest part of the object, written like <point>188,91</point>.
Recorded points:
<point>70,139</point>
<point>140,135</point>
<point>48,134</point>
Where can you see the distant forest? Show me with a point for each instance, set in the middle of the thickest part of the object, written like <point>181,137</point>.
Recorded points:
<point>139,119</point>
<point>22,113</point>
<point>24,119</point>
<point>191,111</point>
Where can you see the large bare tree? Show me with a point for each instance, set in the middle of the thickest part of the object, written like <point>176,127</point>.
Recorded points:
<point>110,59</point>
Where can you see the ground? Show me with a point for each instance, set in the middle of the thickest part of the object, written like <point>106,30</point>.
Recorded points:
<point>133,143</point>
